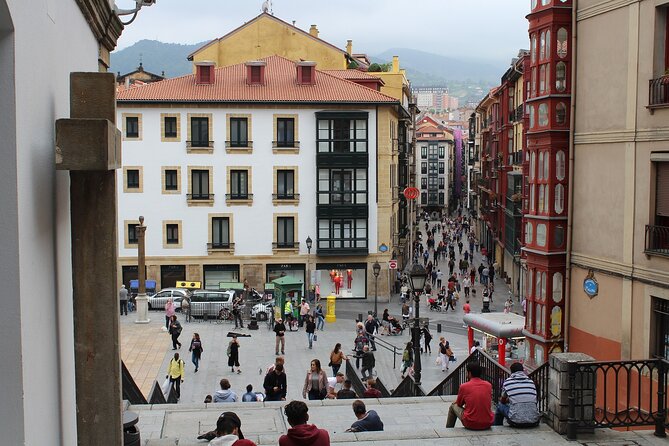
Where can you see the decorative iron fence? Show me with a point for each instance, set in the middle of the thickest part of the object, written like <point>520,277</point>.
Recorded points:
<point>540,378</point>
<point>658,91</point>
<point>408,387</point>
<point>657,240</point>
<point>493,372</point>
<point>613,394</point>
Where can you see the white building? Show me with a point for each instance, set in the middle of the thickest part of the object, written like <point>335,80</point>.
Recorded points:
<point>234,168</point>
<point>434,153</point>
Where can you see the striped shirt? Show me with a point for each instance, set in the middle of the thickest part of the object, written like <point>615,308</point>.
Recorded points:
<point>522,395</point>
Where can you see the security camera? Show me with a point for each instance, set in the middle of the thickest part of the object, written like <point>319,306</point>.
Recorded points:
<point>138,5</point>
<point>145,2</point>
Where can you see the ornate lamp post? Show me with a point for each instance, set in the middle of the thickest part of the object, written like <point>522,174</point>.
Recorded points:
<point>309,245</point>
<point>141,299</point>
<point>417,277</point>
<point>376,269</point>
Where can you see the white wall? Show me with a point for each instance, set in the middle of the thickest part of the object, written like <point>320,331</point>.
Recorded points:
<point>253,225</point>
<point>37,367</point>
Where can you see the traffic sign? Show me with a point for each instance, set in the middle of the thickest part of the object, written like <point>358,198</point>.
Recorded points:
<point>411,193</point>
<point>392,264</point>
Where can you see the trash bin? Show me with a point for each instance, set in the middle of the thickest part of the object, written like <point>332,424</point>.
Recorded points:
<point>131,435</point>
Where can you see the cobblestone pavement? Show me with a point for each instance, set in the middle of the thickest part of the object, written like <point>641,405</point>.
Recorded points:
<point>146,348</point>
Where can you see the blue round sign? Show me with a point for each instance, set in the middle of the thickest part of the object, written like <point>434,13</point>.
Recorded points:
<point>383,247</point>
<point>591,287</point>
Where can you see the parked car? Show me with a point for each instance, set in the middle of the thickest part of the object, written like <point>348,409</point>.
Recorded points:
<point>210,302</point>
<point>158,300</point>
<point>262,310</point>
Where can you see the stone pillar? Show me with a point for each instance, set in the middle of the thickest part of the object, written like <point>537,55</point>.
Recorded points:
<point>94,251</point>
<point>558,391</point>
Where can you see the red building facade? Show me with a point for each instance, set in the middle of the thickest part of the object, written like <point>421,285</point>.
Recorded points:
<point>548,100</point>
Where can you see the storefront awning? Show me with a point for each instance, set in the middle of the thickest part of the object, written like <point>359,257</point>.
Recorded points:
<point>500,325</point>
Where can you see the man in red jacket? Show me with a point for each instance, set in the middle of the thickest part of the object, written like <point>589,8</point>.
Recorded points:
<point>473,404</point>
<point>301,433</point>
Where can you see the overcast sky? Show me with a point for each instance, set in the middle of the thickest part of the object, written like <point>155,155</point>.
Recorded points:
<point>476,29</point>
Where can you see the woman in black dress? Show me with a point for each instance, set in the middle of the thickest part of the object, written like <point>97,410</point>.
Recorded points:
<point>233,355</point>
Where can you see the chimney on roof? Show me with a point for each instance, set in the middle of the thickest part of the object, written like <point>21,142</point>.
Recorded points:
<point>313,31</point>
<point>255,72</point>
<point>349,46</point>
<point>205,73</point>
<point>396,64</point>
<point>306,72</point>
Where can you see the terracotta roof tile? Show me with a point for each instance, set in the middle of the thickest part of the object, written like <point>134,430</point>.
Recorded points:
<point>353,74</point>
<point>280,86</point>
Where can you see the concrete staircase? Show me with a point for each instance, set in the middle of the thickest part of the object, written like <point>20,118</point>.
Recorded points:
<point>406,420</point>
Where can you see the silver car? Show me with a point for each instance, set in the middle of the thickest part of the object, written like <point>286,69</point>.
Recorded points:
<point>158,300</point>
<point>210,302</point>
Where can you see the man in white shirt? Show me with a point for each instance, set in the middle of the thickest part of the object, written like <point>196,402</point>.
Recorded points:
<point>335,384</point>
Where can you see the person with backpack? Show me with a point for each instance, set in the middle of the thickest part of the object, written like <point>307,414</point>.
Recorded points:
<point>445,353</point>
<point>196,350</point>
<point>360,342</point>
<point>175,373</point>
<point>175,330</point>
<point>233,355</point>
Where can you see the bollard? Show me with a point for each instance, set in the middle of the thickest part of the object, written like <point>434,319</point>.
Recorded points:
<point>438,328</point>
<point>331,316</point>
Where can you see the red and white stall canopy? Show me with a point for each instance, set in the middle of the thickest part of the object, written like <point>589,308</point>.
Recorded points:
<point>500,325</point>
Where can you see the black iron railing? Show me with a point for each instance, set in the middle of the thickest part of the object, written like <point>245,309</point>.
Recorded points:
<point>196,197</point>
<point>285,245</point>
<point>239,196</point>
<point>613,394</point>
<point>493,372</point>
<point>197,144</point>
<point>238,144</point>
<point>385,393</point>
<point>540,378</point>
<point>286,144</point>
<point>352,375</point>
<point>212,246</point>
<point>407,388</point>
<point>285,196</point>
<point>396,351</point>
<point>658,91</point>
<point>131,390</point>
<point>657,240</point>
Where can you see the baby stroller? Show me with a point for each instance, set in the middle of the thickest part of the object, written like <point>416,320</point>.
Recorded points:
<point>434,304</point>
<point>395,327</point>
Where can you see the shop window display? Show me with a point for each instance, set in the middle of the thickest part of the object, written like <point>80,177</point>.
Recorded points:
<point>342,280</point>
<point>296,271</point>
<point>215,274</point>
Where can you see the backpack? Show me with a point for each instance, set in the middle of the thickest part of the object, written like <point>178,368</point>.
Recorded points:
<point>405,356</point>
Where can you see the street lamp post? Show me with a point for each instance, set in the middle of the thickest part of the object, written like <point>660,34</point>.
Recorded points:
<point>309,245</point>
<point>417,277</point>
<point>141,300</point>
<point>376,269</point>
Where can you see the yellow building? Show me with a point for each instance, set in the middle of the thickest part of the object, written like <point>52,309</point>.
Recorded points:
<point>266,35</point>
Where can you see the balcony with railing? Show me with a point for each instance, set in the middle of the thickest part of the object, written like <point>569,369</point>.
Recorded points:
<point>287,245</point>
<point>658,92</point>
<point>199,146</point>
<point>220,247</point>
<point>285,198</point>
<point>657,240</point>
<point>201,199</point>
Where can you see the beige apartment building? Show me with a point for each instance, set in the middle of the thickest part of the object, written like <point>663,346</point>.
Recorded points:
<point>619,208</point>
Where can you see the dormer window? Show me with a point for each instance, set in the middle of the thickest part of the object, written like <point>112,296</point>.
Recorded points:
<point>205,73</point>
<point>306,73</point>
<point>255,72</point>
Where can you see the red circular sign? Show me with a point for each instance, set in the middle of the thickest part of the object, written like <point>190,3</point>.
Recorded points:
<point>411,193</point>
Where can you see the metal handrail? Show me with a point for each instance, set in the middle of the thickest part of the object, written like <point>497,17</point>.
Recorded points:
<point>657,240</point>
<point>239,196</point>
<point>199,196</point>
<point>540,378</point>
<point>356,382</point>
<point>388,346</point>
<point>407,388</point>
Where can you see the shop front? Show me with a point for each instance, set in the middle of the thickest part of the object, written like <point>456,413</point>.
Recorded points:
<point>344,280</point>
<point>292,270</point>
<point>500,334</point>
<point>215,274</point>
<point>171,274</point>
